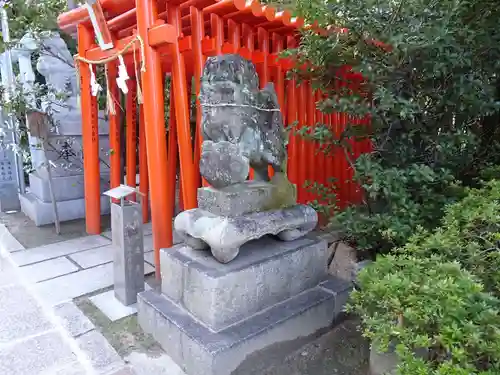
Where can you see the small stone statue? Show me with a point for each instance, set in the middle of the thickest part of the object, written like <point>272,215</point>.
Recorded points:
<point>242,128</point>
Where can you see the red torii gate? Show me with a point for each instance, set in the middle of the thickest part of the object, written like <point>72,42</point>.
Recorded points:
<point>175,37</point>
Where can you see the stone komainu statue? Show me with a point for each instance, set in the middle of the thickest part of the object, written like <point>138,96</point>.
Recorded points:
<point>242,126</point>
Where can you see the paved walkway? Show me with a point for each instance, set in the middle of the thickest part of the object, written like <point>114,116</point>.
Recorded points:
<point>43,332</point>
<point>39,339</point>
<point>69,269</point>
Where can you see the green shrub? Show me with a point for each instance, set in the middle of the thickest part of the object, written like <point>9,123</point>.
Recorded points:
<point>434,104</point>
<point>398,199</point>
<point>429,303</point>
<point>469,234</point>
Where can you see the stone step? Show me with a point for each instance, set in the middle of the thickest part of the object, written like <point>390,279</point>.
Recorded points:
<point>266,272</point>
<point>249,346</point>
<point>42,213</point>
<point>66,188</point>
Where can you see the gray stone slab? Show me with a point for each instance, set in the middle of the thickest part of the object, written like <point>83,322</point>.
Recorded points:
<point>9,273</point>
<point>93,257</point>
<point>42,212</point>
<point>235,200</point>
<point>65,187</point>
<point>149,257</point>
<point>267,272</point>
<point>102,356</point>
<point>148,269</point>
<point>20,315</point>
<point>340,289</point>
<point>48,269</point>
<point>247,347</point>
<point>41,355</point>
<point>162,364</point>
<point>8,242</point>
<point>112,307</point>
<point>77,284</point>
<point>58,249</point>
<point>67,287</point>
<point>73,319</point>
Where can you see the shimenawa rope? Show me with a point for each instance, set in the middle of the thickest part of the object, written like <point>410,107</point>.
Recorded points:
<point>110,103</point>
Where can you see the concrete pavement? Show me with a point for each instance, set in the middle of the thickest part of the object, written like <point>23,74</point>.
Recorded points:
<point>38,339</point>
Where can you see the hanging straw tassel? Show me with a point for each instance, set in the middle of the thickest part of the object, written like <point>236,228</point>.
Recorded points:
<point>140,98</point>
<point>143,55</point>
<point>110,103</point>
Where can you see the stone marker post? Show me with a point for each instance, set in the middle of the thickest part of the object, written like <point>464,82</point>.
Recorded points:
<point>9,199</point>
<point>128,244</point>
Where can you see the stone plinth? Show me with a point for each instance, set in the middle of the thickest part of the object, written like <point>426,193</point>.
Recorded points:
<point>66,188</point>
<point>235,200</point>
<point>267,272</point>
<point>225,235</point>
<point>243,317</point>
<point>42,213</point>
<point>70,198</point>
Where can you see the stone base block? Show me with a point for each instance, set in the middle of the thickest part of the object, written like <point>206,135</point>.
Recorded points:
<point>245,348</point>
<point>267,272</point>
<point>65,188</point>
<point>225,235</point>
<point>236,200</point>
<point>42,213</point>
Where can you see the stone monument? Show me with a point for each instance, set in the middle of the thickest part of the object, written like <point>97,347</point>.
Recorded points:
<point>9,195</point>
<point>262,290</point>
<point>63,147</point>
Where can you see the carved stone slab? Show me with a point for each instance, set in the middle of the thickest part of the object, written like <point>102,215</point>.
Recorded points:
<point>225,235</point>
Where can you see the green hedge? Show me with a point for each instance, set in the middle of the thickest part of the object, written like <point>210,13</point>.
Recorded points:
<point>469,234</point>
<point>441,292</point>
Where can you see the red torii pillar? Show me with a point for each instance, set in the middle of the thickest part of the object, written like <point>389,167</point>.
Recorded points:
<point>90,135</point>
<point>154,119</point>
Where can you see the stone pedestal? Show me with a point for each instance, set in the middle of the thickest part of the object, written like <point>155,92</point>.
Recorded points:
<point>244,316</point>
<point>69,194</point>
<point>234,200</point>
<point>42,213</point>
<point>229,217</point>
<point>262,290</point>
